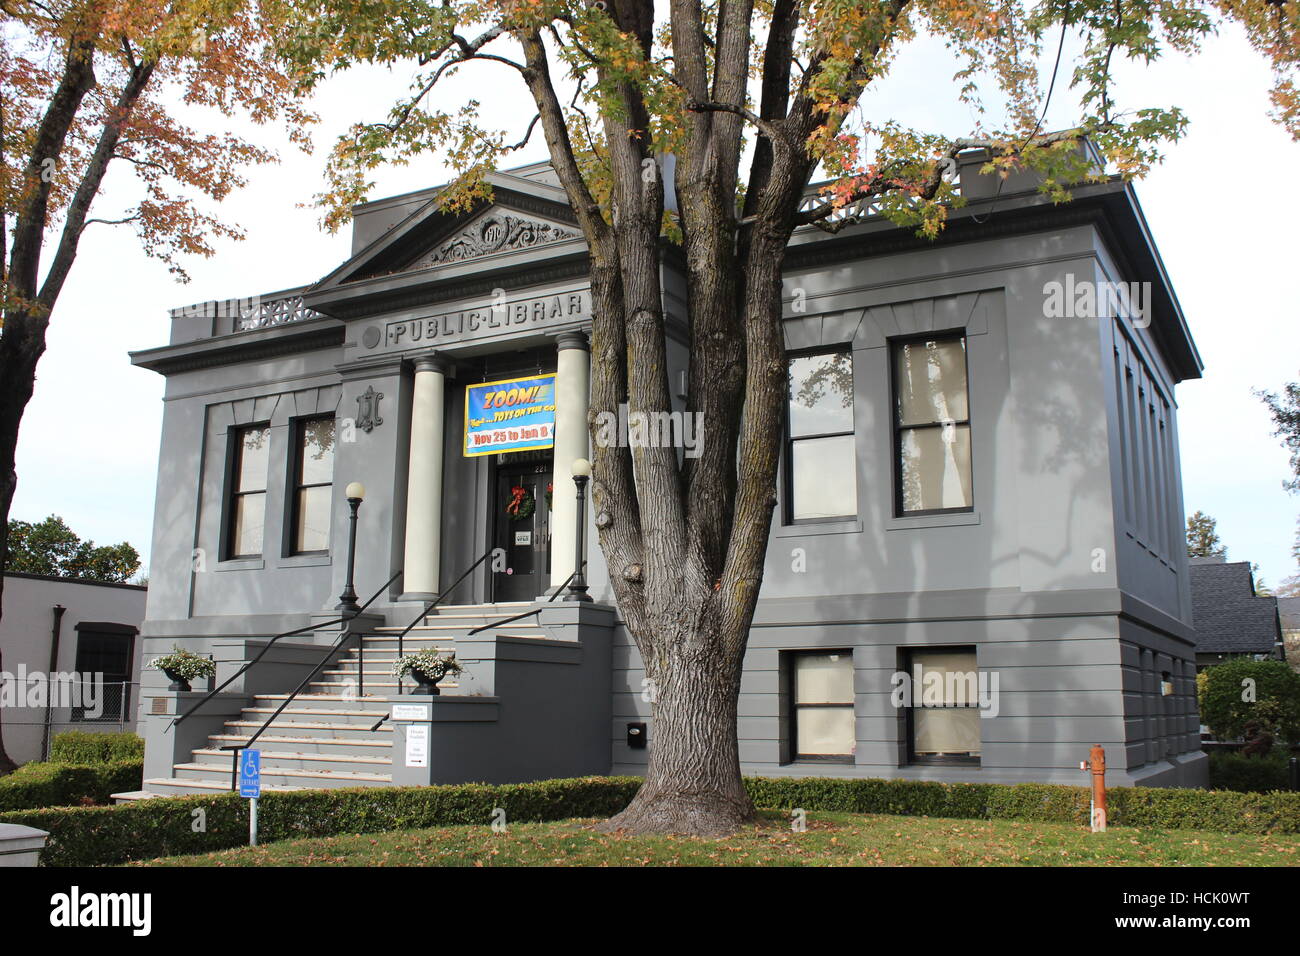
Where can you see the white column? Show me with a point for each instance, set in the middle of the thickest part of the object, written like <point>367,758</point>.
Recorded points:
<point>424,480</point>
<point>572,399</point>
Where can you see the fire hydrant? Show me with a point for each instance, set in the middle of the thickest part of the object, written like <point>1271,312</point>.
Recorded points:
<point>1096,762</point>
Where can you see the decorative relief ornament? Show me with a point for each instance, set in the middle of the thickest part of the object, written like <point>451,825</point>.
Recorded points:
<point>368,409</point>
<point>497,232</point>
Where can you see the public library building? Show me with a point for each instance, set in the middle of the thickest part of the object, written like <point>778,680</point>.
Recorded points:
<point>974,485</point>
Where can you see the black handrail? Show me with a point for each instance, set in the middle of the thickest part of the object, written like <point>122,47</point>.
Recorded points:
<point>537,610</point>
<point>298,630</point>
<point>428,608</point>
<point>347,632</point>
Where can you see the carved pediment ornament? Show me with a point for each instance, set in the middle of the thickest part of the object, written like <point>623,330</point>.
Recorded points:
<point>496,232</point>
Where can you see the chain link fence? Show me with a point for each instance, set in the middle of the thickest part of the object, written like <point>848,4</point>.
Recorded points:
<point>37,709</point>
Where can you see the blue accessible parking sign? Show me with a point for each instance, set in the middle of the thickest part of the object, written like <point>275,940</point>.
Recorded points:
<point>250,774</point>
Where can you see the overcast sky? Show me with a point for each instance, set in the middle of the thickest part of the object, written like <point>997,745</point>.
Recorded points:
<point>1221,209</point>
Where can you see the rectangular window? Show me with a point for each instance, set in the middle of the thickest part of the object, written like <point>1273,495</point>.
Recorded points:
<point>932,426</point>
<point>821,460</point>
<point>822,705</point>
<point>247,507</point>
<point>313,478</point>
<point>944,719</point>
<point>108,652</point>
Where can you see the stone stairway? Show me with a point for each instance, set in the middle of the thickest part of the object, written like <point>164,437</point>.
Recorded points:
<point>324,737</point>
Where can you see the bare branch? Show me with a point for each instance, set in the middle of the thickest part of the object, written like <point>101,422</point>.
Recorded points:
<point>528,134</point>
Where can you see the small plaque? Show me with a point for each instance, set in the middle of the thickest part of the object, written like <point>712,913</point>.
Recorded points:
<point>158,705</point>
<point>410,712</point>
<point>523,537</point>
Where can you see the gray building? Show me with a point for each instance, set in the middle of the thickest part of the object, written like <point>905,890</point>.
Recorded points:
<point>981,487</point>
<point>72,659</point>
<point>1229,618</point>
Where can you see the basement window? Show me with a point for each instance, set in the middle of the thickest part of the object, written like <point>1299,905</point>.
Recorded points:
<point>822,715</point>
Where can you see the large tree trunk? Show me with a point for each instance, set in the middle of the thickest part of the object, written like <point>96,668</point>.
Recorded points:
<point>22,341</point>
<point>19,351</point>
<point>693,784</point>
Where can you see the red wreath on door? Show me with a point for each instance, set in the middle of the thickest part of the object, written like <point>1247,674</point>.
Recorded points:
<point>521,503</point>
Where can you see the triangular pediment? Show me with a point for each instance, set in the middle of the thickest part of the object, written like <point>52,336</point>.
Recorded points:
<point>527,225</point>
<point>497,231</point>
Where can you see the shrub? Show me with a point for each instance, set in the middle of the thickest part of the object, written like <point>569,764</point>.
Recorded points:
<point>61,785</point>
<point>1156,807</point>
<point>84,747</point>
<point>93,836</point>
<point>1272,692</point>
<point>1234,771</point>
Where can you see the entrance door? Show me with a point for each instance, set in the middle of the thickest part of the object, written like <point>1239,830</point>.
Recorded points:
<point>523,530</point>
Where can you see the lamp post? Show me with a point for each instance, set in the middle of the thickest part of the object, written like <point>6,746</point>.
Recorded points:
<point>356,493</point>
<point>578,583</point>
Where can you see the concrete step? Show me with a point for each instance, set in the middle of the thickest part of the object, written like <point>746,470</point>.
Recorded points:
<point>290,776</point>
<point>344,733</point>
<point>321,702</point>
<point>386,684</point>
<point>355,717</point>
<point>131,796</point>
<point>276,760</point>
<point>441,627</point>
<point>309,744</point>
<point>496,609</point>
<point>178,787</point>
<point>377,660</point>
<point>438,643</point>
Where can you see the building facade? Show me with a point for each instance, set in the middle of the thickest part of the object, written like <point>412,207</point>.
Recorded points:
<point>72,658</point>
<point>980,482</point>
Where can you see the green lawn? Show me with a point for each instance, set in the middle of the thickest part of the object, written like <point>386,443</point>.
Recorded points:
<point>831,839</point>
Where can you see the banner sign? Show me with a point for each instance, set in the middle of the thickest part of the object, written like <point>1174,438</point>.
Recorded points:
<point>512,415</point>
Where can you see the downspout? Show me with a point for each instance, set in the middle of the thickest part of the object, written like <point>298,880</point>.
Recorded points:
<point>56,632</point>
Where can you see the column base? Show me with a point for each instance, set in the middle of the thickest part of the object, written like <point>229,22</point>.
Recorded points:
<point>423,597</point>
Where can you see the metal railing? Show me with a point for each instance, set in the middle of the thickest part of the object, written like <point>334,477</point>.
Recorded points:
<point>248,665</point>
<point>428,608</point>
<point>537,610</point>
<point>361,687</point>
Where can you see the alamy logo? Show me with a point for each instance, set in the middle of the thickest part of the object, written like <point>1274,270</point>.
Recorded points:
<point>1086,299</point>
<point>683,430</point>
<point>22,688</point>
<point>76,909</point>
<point>946,688</point>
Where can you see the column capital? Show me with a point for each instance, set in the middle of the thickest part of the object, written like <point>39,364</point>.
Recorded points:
<point>572,340</point>
<point>431,362</point>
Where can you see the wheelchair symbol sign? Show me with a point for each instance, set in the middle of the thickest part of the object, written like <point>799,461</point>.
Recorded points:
<point>250,773</point>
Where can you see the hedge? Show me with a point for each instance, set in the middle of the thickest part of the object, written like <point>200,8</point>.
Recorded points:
<point>83,747</point>
<point>1158,807</point>
<point>60,784</point>
<point>94,836</point>
<point>1236,771</point>
<point>90,836</point>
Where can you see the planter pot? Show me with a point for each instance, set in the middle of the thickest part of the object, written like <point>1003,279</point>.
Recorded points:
<point>177,681</point>
<point>424,685</point>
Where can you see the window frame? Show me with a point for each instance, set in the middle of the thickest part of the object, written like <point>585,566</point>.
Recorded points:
<point>937,760</point>
<point>792,688</point>
<point>787,452</point>
<point>234,466</point>
<point>897,427</point>
<point>126,634</point>
<point>292,513</point>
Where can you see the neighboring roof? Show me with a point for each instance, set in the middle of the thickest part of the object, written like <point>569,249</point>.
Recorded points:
<point>1289,610</point>
<point>1226,615</point>
<point>87,581</point>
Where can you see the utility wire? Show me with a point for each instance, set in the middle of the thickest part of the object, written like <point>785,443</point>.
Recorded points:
<point>1051,87</point>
